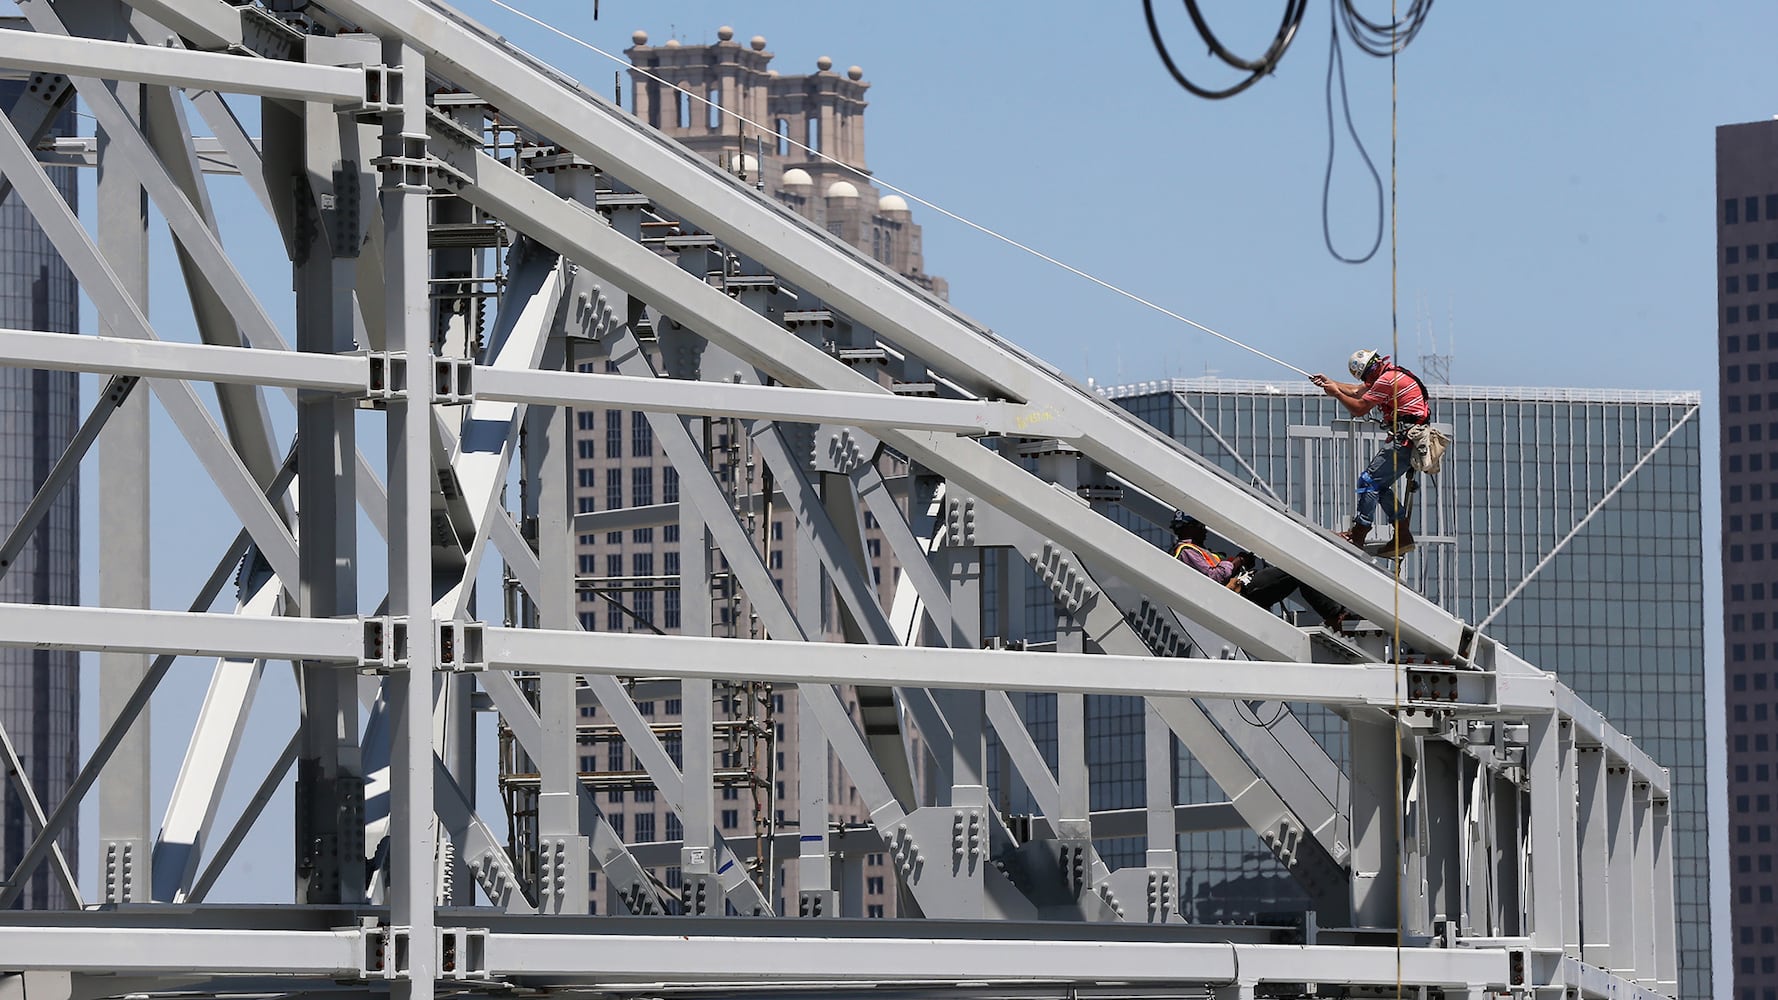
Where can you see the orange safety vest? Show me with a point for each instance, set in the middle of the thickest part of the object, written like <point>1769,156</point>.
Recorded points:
<point>1210,558</point>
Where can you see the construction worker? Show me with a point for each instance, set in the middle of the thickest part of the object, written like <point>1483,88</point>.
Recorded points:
<point>1263,585</point>
<point>1401,399</point>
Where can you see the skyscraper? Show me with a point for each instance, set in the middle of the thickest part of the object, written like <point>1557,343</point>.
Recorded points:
<point>1747,352</point>
<point>1567,521</point>
<point>39,412</point>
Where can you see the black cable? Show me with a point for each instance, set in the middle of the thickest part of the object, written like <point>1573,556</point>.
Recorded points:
<point>1386,38</point>
<point>1335,59</point>
<point>1293,17</point>
<point>1265,64</point>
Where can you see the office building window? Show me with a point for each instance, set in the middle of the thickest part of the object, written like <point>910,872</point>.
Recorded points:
<point>641,435</point>
<point>731,819</point>
<point>669,485</point>
<point>1731,211</point>
<point>614,489</point>
<point>614,433</point>
<point>586,448</point>
<point>583,419</point>
<point>642,486</point>
<point>644,827</point>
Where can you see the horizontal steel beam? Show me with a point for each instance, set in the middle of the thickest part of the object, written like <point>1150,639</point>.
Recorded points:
<point>183,952</point>
<point>830,663</point>
<point>726,399</point>
<point>762,960</point>
<point>168,359</point>
<point>151,64</point>
<point>116,630</point>
<point>83,151</point>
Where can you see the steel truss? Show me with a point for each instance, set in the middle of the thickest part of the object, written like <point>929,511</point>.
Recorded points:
<point>1526,849</point>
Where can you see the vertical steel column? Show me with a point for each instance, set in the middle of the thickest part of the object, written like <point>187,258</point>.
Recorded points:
<point>1621,870</point>
<point>330,853</point>
<point>548,470</point>
<point>1506,855</point>
<point>1162,858</point>
<point>462,329</point>
<point>1643,874</point>
<point>1547,844</point>
<point>1595,856</point>
<point>966,712</point>
<point>549,462</point>
<point>814,870</point>
<point>412,826</point>
<point>1665,943</point>
<point>1441,831</point>
<point>1568,780</point>
<point>124,831</point>
<point>1375,860</point>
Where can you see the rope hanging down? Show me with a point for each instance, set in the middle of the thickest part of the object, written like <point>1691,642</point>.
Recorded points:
<point>1373,38</point>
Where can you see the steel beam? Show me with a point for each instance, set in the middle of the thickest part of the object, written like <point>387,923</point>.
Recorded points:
<point>413,827</point>
<point>815,662</point>
<point>726,399</point>
<point>201,362</point>
<point>149,64</point>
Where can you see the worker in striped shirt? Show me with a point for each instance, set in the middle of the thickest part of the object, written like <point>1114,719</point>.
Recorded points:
<point>1401,399</point>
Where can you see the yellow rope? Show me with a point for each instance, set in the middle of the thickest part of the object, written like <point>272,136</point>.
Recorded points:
<point>1401,845</point>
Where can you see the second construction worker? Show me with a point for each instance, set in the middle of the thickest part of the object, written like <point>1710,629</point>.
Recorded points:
<point>1401,398</point>
<point>1265,587</point>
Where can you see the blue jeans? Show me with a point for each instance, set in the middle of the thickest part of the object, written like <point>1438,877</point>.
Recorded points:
<point>1374,485</point>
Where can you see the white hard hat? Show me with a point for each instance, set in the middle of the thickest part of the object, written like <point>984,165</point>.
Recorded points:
<point>1361,362</point>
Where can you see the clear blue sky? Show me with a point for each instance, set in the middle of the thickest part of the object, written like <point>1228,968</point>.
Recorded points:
<point>1555,205</point>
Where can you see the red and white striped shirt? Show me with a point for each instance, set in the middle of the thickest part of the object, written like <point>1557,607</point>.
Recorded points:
<point>1399,395</point>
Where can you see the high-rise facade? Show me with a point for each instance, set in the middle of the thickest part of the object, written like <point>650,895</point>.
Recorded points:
<point>39,413</point>
<point>629,543</point>
<point>1747,352</point>
<point>1566,520</point>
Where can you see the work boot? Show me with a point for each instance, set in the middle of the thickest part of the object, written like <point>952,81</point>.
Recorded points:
<point>1356,534</point>
<point>1400,545</point>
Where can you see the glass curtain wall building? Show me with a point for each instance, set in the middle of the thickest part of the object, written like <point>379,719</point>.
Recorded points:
<point>1568,520</point>
<point>39,412</point>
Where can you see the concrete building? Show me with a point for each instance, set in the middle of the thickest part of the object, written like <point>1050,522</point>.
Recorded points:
<point>1747,351</point>
<point>630,549</point>
<point>1567,520</point>
<point>39,413</point>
